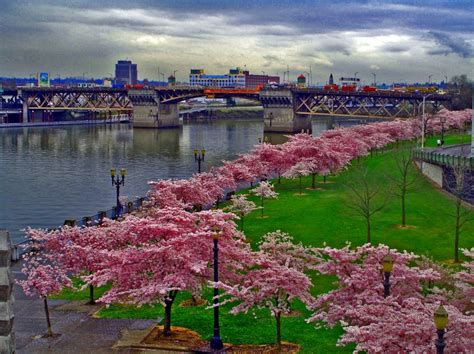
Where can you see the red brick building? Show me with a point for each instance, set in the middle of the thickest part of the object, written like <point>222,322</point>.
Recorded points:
<point>252,81</point>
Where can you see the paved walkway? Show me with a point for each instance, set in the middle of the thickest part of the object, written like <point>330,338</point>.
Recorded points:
<point>456,150</point>
<point>79,331</point>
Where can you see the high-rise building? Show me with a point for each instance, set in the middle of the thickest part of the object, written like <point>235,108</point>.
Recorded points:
<point>125,72</point>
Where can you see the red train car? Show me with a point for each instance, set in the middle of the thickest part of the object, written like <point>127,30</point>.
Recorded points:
<point>332,87</point>
<point>349,88</point>
<point>369,89</point>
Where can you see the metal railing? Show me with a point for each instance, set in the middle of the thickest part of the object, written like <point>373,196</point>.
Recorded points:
<point>19,248</point>
<point>444,158</point>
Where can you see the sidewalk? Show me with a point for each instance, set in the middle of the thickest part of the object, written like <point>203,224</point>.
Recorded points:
<point>79,332</point>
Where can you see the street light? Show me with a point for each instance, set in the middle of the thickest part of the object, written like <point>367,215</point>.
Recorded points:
<point>423,121</point>
<point>442,119</point>
<point>429,78</point>
<point>216,341</point>
<point>387,264</point>
<point>199,156</point>
<point>84,76</point>
<point>375,76</point>
<point>441,320</point>
<point>118,181</point>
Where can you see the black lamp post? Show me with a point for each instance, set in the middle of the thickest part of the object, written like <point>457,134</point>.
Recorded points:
<point>199,156</point>
<point>442,120</point>
<point>216,341</point>
<point>387,263</point>
<point>118,181</point>
<point>441,320</point>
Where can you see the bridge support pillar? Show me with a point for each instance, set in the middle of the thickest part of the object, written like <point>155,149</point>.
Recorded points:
<point>279,113</point>
<point>25,112</point>
<point>168,115</point>
<point>148,112</point>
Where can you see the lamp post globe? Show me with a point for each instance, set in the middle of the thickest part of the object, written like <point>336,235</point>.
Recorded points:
<point>387,265</point>
<point>440,317</point>
<point>118,181</point>
<point>199,157</point>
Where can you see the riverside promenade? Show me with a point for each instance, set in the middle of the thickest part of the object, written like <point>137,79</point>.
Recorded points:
<point>79,331</point>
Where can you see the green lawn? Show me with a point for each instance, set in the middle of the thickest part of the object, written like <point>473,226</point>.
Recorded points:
<point>449,139</point>
<point>322,217</point>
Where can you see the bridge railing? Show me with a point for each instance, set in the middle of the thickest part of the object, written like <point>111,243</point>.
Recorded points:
<point>444,159</point>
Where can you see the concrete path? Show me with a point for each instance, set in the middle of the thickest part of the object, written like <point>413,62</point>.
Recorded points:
<point>79,331</point>
<point>456,150</point>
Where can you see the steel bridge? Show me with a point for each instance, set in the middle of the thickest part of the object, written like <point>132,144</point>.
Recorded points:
<point>382,104</point>
<point>304,101</point>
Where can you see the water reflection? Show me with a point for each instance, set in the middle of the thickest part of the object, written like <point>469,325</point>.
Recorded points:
<point>49,174</point>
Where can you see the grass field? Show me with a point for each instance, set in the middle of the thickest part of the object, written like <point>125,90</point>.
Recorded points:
<point>323,217</point>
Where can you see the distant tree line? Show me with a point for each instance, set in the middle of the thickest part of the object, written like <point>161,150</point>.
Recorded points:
<point>462,86</point>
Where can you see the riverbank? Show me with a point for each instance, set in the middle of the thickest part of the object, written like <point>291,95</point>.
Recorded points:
<point>63,123</point>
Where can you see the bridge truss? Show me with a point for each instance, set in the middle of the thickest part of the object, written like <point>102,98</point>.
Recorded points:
<point>361,104</point>
<point>77,99</point>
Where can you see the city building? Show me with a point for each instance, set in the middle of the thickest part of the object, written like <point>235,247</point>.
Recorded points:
<point>171,80</point>
<point>125,72</point>
<point>254,81</point>
<point>235,78</point>
<point>301,80</point>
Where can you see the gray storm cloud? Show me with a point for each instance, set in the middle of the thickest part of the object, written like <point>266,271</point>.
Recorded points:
<point>400,40</point>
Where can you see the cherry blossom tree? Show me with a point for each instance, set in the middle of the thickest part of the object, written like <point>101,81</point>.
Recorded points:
<point>401,322</point>
<point>154,258</point>
<point>276,279</point>
<point>44,276</point>
<point>264,190</point>
<point>300,169</point>
<point>275,157</point>
<point>240,206</point>
<point>465,284</point>
<point>407,326</point>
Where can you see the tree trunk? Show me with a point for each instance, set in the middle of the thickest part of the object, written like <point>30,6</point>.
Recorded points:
<point>91,295</point>
<point>457,231</point>
<point>278,330</point>
<point>313,181</point>
<point>261,204</point>
<point>279,178</point>
<point>300,186</point>
<point>324,178</point>
<point>403,210</point>
<point>168,304</point>
<point>48,321</point>
<point>369,238</point>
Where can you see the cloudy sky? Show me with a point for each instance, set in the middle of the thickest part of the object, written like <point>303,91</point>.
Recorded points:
<point>396,40</point>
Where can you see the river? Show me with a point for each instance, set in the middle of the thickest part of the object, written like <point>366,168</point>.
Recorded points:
<point>49,174</point>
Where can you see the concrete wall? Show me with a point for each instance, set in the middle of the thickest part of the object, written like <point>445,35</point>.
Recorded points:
<point>7,342</point>
<point>433,172</point>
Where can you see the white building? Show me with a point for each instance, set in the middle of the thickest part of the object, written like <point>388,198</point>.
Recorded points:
<point>235,78</point>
